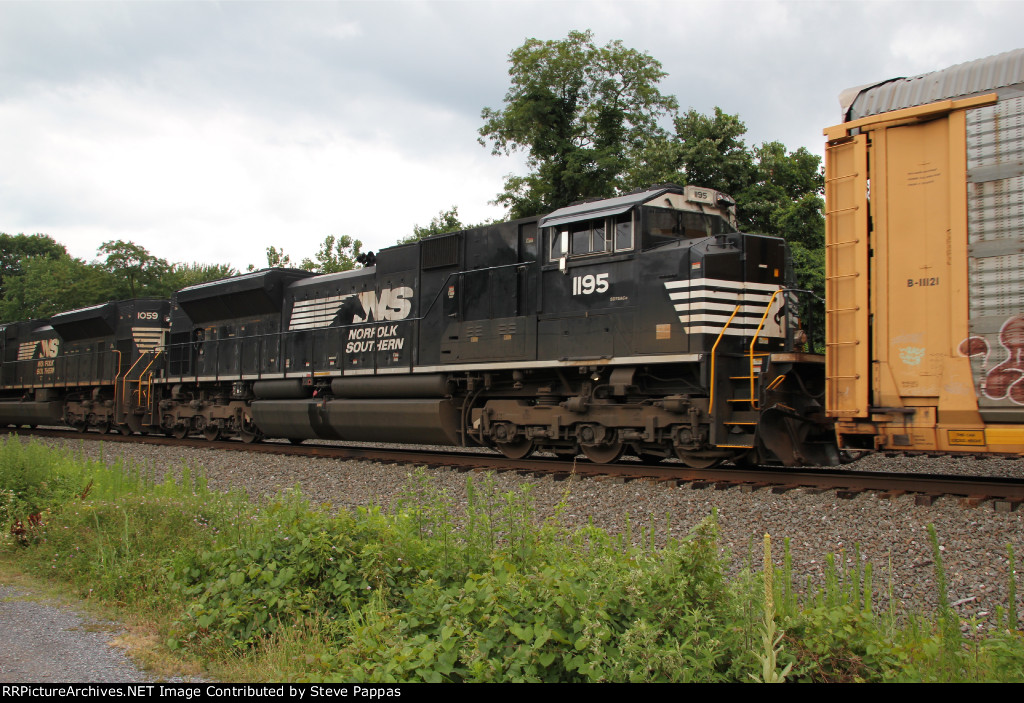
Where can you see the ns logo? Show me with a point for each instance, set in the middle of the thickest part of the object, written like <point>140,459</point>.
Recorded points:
<point>393,304</point>
<point>42,349</point>
<point>48,348</point>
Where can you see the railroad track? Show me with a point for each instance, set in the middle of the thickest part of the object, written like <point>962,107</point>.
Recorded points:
<point>1005,494</point>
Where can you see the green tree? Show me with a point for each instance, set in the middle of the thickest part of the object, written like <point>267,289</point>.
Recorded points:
<point>137,272</point>
<point>46,286</point>
<point>446,221</point>
<point>779,183</point>
<point>335,254</point>
<point>580,113</point>
<point>184,275</point>
<point>276,258</point>
<point>705,150</point>
<point>15,249</point>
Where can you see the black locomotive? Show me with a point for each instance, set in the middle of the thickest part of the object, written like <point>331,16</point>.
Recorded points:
<point>642,323</point>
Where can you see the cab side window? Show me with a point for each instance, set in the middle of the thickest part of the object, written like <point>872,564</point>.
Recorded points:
<point>588,237</point>
<point>624,232</point>
<point>602,235</point>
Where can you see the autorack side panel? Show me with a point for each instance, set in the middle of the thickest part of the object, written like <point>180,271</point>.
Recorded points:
<point>995,216</point>
<point>944,228</point>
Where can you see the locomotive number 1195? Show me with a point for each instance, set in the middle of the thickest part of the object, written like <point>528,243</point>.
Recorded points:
<point>591,283</point>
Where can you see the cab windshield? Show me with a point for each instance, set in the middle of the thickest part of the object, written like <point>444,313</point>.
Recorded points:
<point>662,225</point>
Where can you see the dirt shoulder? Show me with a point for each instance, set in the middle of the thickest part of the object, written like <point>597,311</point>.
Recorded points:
<point>49,638</point>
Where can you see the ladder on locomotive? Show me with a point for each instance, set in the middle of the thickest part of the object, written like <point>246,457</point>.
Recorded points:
<point>737,427</point>
<point>137,387</point>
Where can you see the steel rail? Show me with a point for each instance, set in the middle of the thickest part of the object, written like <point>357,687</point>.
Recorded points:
<point>846,482</point>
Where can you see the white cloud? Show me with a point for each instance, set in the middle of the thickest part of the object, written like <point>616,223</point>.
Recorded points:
<point>216,185</point>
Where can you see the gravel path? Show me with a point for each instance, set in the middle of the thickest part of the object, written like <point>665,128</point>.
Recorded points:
<point>48,642</point>
<point>891,534</point>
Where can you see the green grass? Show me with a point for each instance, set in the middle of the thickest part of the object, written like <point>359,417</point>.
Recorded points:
<point>283,590</point>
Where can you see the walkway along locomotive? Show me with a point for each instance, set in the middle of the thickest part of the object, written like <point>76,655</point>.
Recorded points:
<point>642,323</point>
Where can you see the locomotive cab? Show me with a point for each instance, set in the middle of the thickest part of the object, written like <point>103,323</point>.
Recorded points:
<point>631,262</point>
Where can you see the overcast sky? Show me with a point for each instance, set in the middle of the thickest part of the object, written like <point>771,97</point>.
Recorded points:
<point>209,131</point>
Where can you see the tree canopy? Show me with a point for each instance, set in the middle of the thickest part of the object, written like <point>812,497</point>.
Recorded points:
<point>16,249</point>
<point>43,279</point>
<point>46,286</point>
<point>335,254</point>
<point>133,268</point>
<point>580,113</point>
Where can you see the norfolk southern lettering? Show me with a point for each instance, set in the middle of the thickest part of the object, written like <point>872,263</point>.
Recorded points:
<point>380,338</point>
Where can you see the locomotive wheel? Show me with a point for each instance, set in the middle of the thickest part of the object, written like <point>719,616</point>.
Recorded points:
<point>519,449</point>
<point>296,440</point>
<point>249,433</point>
<point>212,433</point>
<point>695,461</point>
<point>250,436</point>
<point>179,431</point>
<point>105,427</point>
<point>603,453</point>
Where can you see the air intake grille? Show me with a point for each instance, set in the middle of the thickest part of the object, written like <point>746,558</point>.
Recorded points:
<point>439,251</point>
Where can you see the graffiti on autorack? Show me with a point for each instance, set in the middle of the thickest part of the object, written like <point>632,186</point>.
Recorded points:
<point>1004,381</point>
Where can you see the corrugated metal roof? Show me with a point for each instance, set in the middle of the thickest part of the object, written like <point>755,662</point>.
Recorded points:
<point>599,208</point>
<point>963,80</point>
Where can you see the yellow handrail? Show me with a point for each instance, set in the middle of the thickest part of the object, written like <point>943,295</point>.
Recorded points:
<point>149,380</point>
<point>753,398</point>
<point>117,377</point>
<point>124,388</point>
<point>714,348</point>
